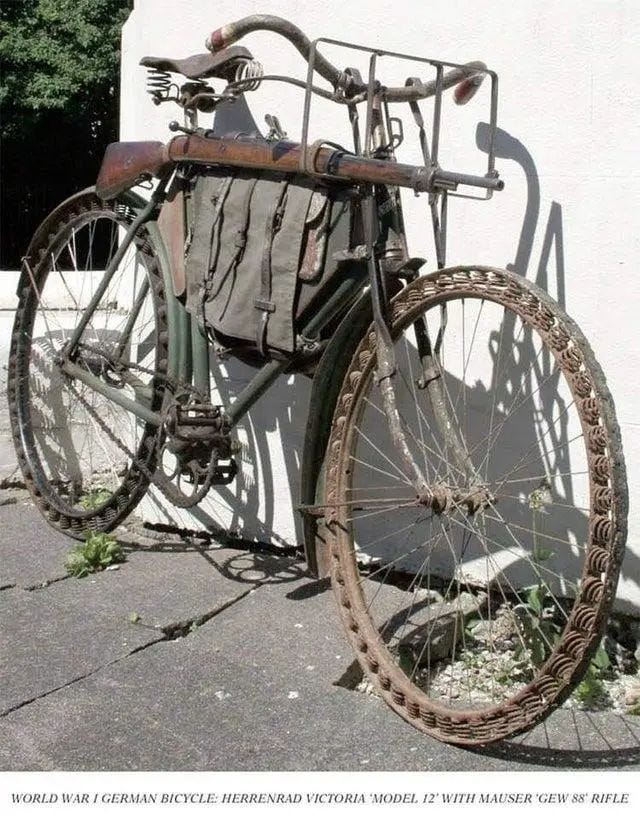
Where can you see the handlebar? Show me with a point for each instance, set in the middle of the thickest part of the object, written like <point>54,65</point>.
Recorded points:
<point>467,78</point>
<point>231,33</point>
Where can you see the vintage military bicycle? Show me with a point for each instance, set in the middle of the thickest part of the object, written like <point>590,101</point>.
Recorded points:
<point>462,478</point>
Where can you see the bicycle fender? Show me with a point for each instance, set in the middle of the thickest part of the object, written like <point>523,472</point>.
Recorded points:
<point>325,388</point>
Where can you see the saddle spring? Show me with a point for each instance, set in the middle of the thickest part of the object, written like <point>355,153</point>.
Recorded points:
<point>249,73</point>
<point>159,84</point>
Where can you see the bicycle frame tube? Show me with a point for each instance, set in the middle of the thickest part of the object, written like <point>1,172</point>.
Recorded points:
<point>140,219</point>
<point>179,364</point>
<point>188,346</point>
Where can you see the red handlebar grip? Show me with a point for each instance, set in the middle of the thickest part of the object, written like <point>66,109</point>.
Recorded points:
<point>219,39</point>
<point>465,90</point>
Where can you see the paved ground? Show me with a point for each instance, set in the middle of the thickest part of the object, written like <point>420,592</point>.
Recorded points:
<point>198,657</point>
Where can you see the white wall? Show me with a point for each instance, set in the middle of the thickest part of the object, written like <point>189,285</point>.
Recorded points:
<point>568,217</point>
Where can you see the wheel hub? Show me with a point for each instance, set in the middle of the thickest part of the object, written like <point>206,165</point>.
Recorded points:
<point>442,498</point>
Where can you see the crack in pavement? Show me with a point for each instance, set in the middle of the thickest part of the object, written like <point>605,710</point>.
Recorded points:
<point>176,631</point>
<point>170,633</point>
<point>80,677</point>
<point>44,584</point>
<point>145,538</point>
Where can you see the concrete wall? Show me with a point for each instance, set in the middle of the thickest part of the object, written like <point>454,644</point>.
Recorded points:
<point>568,219</point>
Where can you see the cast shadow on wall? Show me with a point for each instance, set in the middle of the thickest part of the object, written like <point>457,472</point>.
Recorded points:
<point>249,506</point>
<point>254,505</point>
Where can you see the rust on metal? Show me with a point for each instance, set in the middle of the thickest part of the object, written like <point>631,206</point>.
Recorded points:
<point>285,156</point>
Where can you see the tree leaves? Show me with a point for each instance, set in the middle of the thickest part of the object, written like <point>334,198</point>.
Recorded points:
<point>59,102</point>
<point>58,55</point>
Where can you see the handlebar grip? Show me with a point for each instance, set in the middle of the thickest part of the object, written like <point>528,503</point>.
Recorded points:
<point>466,89</point>
<point>227,35</point>
<point>220,38</point>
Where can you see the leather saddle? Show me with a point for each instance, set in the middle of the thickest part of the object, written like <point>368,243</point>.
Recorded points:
<point>200,66</point>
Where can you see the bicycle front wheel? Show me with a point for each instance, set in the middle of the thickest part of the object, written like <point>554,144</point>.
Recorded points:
<point>86,460</point>
<point>476,606</point>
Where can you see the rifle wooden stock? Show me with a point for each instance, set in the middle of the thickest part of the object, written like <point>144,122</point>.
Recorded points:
<point>125,163</point>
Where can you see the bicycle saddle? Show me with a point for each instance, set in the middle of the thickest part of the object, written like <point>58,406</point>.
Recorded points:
<point>201,66</point>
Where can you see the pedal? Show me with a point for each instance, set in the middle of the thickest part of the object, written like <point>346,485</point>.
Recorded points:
<point>225,473</point>
<point>195,422</point>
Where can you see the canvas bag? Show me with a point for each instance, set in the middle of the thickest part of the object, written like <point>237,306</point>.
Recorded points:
<point>258,253</point>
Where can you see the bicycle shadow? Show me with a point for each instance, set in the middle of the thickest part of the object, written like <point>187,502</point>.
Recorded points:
<point>519,395</point>
<point>552,254</point>
<point>260,503</point>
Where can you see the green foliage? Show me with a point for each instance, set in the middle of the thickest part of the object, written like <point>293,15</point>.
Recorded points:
<point>591,687</point>
<point>97,552</point>
<point>471,625</point>
<point>94,499</point>
<point>59,106</point>
<point>601,661</point>
<point>537,627</point>
<point>59,55</point>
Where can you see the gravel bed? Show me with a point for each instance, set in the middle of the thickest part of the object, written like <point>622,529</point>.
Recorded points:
<point>491,665</point>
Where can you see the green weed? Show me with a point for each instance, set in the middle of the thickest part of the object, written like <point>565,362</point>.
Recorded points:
<point>591,687</point>
<point>538,629</point>
<point>94,499</point>
<point>97,552</point>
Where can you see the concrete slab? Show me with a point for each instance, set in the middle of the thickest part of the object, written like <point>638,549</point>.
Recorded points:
<point>54,636</point>
<point>166,581</point>
<point>32,552</point>
<point>169,587</point>
<point>86,623</point>
<point>253,689</point>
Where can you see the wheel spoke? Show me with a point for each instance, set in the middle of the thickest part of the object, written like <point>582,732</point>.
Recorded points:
<point>89,458</point>
<point>502,554</point>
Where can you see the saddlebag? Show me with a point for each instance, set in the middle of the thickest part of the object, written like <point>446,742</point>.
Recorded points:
<point>262,250</point>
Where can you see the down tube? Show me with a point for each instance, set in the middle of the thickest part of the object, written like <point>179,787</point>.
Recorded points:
<point>179,367</point>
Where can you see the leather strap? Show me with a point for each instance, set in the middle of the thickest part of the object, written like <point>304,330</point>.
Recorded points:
<point>263,303</point>
<point>214,249</point>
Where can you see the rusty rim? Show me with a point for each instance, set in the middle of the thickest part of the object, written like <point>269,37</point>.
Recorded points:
<point>475,608</point>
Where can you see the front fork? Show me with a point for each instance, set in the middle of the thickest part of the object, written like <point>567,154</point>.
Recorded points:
<point>432,377</point>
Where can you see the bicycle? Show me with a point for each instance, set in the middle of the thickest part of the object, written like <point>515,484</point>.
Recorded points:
<point>462,480</point>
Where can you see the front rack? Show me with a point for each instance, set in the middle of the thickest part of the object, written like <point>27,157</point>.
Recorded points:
<point>444,180</point>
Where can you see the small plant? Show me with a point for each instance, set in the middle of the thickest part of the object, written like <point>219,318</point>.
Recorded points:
<point>508,671</point>
<point>97,552</point>
<point>538,629</point>
<point>591,688</point>
<point>471,626</point>
<point>94,498</point>
<point>471,661</point>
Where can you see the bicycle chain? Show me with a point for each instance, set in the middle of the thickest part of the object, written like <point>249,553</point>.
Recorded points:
<point>158,478</point>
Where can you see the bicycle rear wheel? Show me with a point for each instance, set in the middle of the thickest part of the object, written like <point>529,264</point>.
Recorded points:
<point>86,460</point>
<point>475,607</point>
